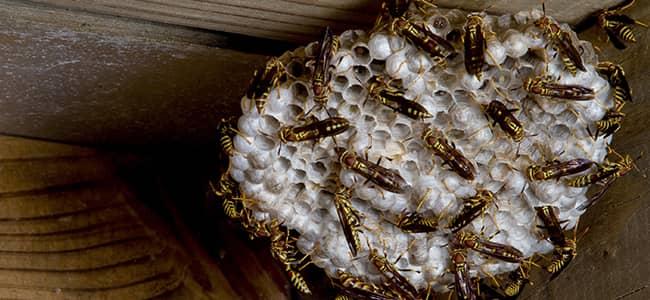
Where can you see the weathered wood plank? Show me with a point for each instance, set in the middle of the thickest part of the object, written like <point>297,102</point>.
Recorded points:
<point>297,21</point>
<point>104,80</point>
<point>69,228</point>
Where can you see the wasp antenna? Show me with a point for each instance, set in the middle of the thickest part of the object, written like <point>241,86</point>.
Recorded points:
<point>426,195</point>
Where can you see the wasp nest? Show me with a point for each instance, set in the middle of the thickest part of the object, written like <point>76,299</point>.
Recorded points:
<point>295,182</point>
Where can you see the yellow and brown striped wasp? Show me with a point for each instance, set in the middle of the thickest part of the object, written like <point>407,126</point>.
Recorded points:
<point>609,124</point>
<point>605,175</point>
<point>227,190</point>
<point>394,98</point>
<point>263,81</point>
<point>552,224</point>
<point>435,140</point>
<point>387,179</point>
<point>503,252</point>
<point>463,283</point>
<point>314,130</point>
<point>472,208</point>
<point>565,248</point>
<point>436,46</point>
<point>322,74</point>
<point>475,45</point>
<point>225,130</point>
<point>557,169</point>
<point>616,25</point>
<point>518,279</point>
<point>389,271</point>
<point>547,88</point>
<point>283,249</point>
<point>349,218</point>
<point>562,41</point>
<point>357,288</point>
<point>616,78</point>
<point>415,223</point>
<point>503,116</point>
<point>562,256</point>
<point>254,227</point>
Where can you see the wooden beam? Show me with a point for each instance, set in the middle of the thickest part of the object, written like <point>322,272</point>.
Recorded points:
<point>297,20</point>
<point>66,232</point>
<point>90,79</point>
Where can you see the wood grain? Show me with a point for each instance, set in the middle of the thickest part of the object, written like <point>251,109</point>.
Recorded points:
<point>296,20</point>
<point>69,228</point>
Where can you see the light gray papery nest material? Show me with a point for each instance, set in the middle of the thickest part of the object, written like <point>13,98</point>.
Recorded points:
<point>295,184</point>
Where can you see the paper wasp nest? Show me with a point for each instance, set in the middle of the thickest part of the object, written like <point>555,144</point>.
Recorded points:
<point>295,184</point>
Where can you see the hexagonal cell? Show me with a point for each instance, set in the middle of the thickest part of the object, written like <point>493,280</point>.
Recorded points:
<point>377,66</point>
<point>269,123</point>
<point>293,112</point>
<point>560,132</point>
<point>361,53</point>
<point>354,94</point>
<point>299,91</point>
<point>318,168</point>
<point>296,68</point>
<point>362,73</point>
<point>263,142</point>
<point>400,131</point>
<point>350,111</point>
<point>340,82</point>
<point>350,37</point>
<point>440,23</point>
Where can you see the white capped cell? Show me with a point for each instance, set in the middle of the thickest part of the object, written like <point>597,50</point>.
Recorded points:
<point>379,46</point>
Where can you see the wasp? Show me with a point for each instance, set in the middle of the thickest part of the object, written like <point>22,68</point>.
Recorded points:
<point>616,78</point>
<point>358,288</point>
<point>394,98</point>
<point>503,252</point>
<point>565,248</point>
<point>254,227</point>
<point>552,224</point>
<point>472,208</point>
<point>544,87</point>
<point>503,116</point>
<point>605,175</point>
<point>349,218</point>
<point>387,179</point>
<point>475,45</point>
<point>314,130</point>
<point>616,25</point>
<point>562,42</point>
<point>436,46</point>
<point>414,223</point>
<point>225,128</point>
<point>389,271</point>
<point>227,190</point>
<point>263,81</point>
<point>283,249</point>
<point>562,256</point>
<point>557,169</point>
<point>609,124</point>
<point>436,141</point>
<point>463,285</point>
<point>518,279</point>
<point>322,75</point>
